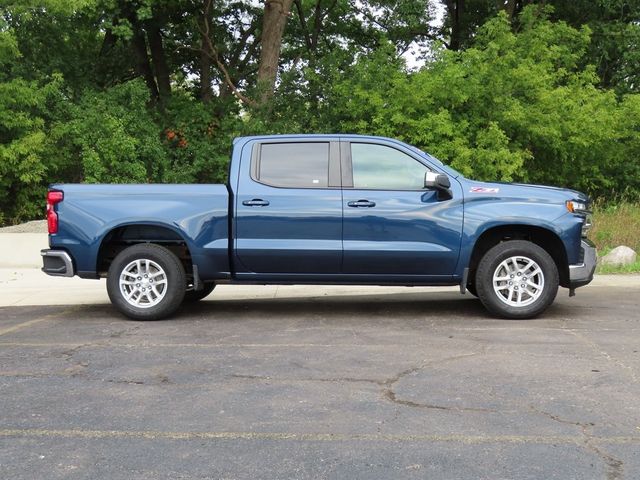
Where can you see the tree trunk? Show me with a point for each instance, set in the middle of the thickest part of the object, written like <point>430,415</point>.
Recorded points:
<point>159,60</point>
<point>143,66</point>
<point>274,21</point>
<point>139,48</point>
<point>205,74</point>
<point>206,93</point>
<point>455,11</point>
<point>509,6</point>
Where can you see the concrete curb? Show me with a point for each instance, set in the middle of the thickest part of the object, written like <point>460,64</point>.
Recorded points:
<point>22,250</point>
<point>22,283</point>
<point>29,286</point>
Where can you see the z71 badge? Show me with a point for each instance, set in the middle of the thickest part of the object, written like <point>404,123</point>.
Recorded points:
<point>484,190</point>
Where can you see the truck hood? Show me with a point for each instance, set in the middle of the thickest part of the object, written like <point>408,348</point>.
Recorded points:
<point>540,193</point>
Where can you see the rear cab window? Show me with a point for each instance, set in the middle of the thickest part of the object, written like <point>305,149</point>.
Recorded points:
<point>292,165</point>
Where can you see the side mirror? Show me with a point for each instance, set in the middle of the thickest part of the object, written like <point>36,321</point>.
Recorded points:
<point>439,182</point>
<point>436,181</point>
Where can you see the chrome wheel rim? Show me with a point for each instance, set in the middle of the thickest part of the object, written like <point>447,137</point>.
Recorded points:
<point>518,281</point>
<point>143,283</point>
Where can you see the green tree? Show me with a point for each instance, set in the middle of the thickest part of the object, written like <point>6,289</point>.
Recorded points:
<point>615,27</point>
<point>514,106</point>
<point>23,114</point>
<point>155,90</point>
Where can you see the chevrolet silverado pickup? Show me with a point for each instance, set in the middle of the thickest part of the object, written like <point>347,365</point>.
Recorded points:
<point>323,209</point>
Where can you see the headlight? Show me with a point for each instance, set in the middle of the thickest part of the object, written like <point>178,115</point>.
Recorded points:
<point>576,207</point>
<point>581,209</point>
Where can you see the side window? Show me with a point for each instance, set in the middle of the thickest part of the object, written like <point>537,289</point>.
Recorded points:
<point>294,165</point>
<point>385,168</point>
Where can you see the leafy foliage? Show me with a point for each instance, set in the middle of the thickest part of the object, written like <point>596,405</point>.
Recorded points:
<point>111,137</point>
<point>515,106</point>
<point>155,90</point>
<point>23,115</point>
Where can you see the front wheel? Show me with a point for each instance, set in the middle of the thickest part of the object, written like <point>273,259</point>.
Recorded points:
<point>471,288</point>
<point>517,279</point>
<point>146,282</point>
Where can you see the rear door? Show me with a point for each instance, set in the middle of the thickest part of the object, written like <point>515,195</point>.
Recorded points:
<point>392,225</point>
<point>289,209</point>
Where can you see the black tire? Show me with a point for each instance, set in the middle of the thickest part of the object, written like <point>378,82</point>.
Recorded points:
<point>490,264</point>
<point>173,290</point>
<point>471,288</point>
<point>195,295</point>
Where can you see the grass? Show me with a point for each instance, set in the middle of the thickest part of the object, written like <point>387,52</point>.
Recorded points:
<point>615,225</point>
<point>632,268</point>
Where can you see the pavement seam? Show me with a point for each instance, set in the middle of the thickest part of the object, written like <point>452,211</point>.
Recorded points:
<point>311,437</point>
<point>209,345</point>
<point>35,321</point>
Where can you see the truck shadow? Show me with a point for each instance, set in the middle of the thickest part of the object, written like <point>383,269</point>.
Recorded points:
<point>421,306</point>
<point>396,305</point>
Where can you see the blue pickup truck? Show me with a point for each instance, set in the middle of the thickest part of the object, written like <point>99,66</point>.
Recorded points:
<point>323,209</point>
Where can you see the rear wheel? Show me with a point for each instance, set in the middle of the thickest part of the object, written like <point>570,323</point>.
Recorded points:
<point>146,282</point>
<point>195,295</point>
<point>517,279</point>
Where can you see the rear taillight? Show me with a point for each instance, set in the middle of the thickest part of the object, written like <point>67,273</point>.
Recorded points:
<point>53,197</point>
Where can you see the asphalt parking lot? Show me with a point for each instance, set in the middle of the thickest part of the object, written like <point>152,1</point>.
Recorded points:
<point>407,384</point>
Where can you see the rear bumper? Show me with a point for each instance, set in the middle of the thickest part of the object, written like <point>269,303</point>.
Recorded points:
<point>582,273</point>
<point>57,263</point>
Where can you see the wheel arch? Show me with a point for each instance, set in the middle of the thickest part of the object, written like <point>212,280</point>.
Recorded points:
<point>124,235</point>
<point>541,236</point>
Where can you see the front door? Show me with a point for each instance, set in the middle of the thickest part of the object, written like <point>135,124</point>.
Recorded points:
<point>392,225</point>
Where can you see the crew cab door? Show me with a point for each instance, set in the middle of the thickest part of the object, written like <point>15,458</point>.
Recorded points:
<point>288,209</point>
<point>392,224</point>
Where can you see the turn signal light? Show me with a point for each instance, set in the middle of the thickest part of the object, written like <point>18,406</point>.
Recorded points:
<point>576,207</point>
<point>53,197</point>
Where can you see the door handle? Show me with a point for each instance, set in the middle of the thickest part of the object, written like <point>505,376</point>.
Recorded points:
<point>256,202</point>
<point>362,203</point>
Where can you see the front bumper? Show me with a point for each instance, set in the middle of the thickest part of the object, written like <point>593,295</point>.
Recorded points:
<point>582,273</point>
<point>57,263</point>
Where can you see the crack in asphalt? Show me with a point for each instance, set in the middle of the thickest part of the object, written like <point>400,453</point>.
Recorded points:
<point>389,394</point>
<point>125,332</point>
<point>597,348</point>
<point>77,367</point>
<point>126,382</point>
<point>386,383</point>
<point>614,466</point>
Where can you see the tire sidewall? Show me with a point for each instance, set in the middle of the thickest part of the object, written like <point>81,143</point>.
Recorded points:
<point>176,281</point>
<point>489,264</point>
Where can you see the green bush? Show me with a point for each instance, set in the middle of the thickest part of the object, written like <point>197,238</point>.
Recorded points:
<point>109,137</point>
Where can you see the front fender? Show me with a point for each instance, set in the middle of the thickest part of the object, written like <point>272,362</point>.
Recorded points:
<point>484,214</point>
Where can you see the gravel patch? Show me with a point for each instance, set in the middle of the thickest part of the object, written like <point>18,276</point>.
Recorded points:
<point>36,226</point>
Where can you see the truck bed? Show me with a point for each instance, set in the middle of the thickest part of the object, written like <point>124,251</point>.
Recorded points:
<point>197,213</point>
